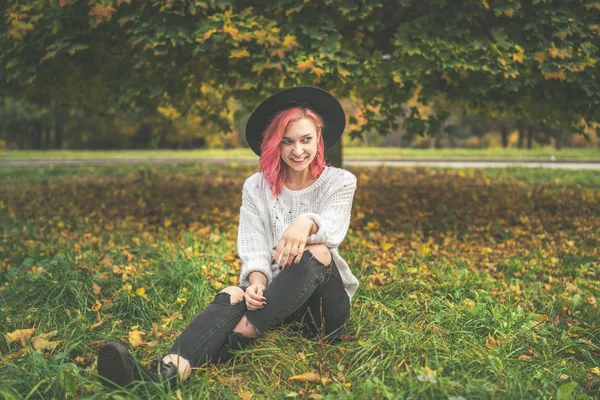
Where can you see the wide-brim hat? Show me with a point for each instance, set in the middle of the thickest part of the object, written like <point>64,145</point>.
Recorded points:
<point>317,99</point>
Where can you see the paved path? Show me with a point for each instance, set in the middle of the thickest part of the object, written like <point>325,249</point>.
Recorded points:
<point>478,164</point>
<point>442,163</point>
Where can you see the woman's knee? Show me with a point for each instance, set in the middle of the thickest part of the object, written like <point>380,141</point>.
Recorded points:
<point>320,252</point>
<point>236,294</point>
<point>245,328</point>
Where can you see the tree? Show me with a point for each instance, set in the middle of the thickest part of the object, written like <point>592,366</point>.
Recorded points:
<point>538,55</point>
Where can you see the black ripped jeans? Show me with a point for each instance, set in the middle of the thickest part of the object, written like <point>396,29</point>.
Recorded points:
<point>308,292</point>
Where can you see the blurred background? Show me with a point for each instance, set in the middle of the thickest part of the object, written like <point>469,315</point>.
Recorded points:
<point>165,74</point>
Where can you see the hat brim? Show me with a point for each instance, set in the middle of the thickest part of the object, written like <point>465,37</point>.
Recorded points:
<point>317,99</point>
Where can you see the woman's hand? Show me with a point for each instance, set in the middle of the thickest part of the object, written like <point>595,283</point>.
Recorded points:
<point>254,296</point>
<point>293,240</point>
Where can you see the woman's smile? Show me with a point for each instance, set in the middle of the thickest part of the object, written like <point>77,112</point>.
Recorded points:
<point>299,160</point>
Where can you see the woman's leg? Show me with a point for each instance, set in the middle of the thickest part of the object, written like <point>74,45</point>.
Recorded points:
<point>198,343</point>
<point>203,337</point>
<point>327,310</point>
<point>290,289</point>
<point>192,345</point>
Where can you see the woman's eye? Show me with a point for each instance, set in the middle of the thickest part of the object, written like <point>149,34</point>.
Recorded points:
<point>306,140</point>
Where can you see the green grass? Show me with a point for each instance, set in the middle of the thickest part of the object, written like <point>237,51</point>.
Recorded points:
<point>474,283</point>
<point>351,152</point>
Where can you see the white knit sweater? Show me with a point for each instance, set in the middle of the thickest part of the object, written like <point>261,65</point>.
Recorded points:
<point>328,202</point>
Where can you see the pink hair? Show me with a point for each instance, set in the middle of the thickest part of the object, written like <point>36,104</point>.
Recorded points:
<point>270,163</point>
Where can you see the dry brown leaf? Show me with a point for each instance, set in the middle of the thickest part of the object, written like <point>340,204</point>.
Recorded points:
<point>13,355</point>
<point>42,342</point>
<point>315,396</point>
<point>311,376</point>
<point>97,325</point>
<point>20,336</point>
<point>96,289</point>
<point>95,344</point>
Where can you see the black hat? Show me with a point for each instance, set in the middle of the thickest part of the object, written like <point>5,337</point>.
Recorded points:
<point>317,99</point>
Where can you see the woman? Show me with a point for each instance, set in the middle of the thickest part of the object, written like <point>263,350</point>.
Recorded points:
<point>295,213</point>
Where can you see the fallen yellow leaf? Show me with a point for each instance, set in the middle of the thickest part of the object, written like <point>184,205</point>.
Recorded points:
<point>42,342</point>
<point>142,293</point>
<point>136,337</point>
<point>245,395</point>
<point>20,336</point>
<point>311,376</point>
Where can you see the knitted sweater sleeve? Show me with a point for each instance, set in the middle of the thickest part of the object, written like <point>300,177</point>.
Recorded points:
<point>333,217</point>
<point>252,245</point>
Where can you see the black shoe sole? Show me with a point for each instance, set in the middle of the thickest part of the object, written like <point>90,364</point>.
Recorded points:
<point>114,365</point>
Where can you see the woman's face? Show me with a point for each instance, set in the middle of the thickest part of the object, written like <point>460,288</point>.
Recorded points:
<point>298,146</point>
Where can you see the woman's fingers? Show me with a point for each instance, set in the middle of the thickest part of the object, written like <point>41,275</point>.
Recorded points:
<point>300,252</point>
<point>253,304</point>
<point>254,298</point>
<point>279,252</point>
<point>292,250</point>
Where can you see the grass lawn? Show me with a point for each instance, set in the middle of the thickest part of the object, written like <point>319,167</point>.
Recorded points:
<point>351,152</point>
<point>474,283</point>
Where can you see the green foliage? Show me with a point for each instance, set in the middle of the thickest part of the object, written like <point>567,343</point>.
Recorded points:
<point>533,58</point>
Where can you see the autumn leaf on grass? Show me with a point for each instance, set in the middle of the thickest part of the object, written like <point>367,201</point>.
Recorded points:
<point>136,337</point>
<point>311,376</point>
<point>95,289</point>
<point>427,375</point>
<point>142,293</point>
<point>42,342</point>
<point>244,395</point>
<point>491,342</point>
<point>20,336</point>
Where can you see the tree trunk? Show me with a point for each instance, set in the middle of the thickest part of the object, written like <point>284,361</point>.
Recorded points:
<point>521,137</point>
<point>529,138</point>
<point>38,133</point>
<point>59,128</point>
<point>504,133</point>
<point>333,155</point>
<point>45,138</point>
<point>558,140</point>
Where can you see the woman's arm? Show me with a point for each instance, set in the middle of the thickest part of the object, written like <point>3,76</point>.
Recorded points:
<point>257,278</point>
<point>329,226</point>
<point>333,219</point>
<point>253,249</point>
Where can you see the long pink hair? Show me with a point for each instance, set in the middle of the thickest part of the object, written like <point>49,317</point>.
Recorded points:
<point>270,163</point>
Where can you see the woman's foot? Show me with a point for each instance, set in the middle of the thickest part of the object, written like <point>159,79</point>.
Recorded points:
<point>117,367</point>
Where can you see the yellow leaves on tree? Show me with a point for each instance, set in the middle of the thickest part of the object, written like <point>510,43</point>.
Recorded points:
<point>102,13</point>
<point>555,75</point>
<point>308,64</point>
<point>305,64</point>
<point>289,42</point>
<point>239,53</point>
